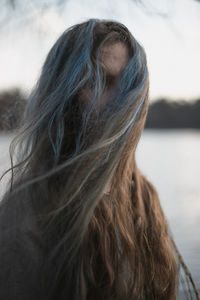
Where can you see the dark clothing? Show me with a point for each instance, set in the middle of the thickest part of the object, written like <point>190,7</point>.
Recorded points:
<point>24,271</point>
<point>21,258</point>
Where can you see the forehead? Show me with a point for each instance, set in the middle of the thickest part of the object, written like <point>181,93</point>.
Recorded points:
<point>114,58</point>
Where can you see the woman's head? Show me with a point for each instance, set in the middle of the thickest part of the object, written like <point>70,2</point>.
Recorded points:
<point>81,128</point>
<point>113,59</point>
<point>91,64</point>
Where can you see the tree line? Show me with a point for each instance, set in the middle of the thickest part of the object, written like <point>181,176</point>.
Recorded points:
<point>162,114</point>
<point>173,114</point>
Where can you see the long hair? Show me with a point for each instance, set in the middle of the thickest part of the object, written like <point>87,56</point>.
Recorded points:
<point>96,245</point>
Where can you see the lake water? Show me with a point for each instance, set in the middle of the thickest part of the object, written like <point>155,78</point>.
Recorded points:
<point>171,160</point>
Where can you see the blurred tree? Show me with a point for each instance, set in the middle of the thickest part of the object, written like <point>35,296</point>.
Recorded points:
<point>12,105</point>
<point>26,8</point>
<point>162,113</point>
<point>17,8</point>
<point>172,114</point>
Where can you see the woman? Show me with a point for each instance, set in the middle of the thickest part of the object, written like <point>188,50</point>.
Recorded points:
<point>80,220</point>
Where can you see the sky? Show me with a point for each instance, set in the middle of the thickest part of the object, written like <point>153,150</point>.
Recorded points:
<point>169,31</point>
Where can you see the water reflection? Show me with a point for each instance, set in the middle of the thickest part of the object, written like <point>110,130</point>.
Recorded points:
<point>171,160</point>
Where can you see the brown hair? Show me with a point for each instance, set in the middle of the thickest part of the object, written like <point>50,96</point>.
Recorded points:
<point>127,249</point>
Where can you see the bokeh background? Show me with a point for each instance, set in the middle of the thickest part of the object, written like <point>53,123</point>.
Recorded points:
<point>169,150</point>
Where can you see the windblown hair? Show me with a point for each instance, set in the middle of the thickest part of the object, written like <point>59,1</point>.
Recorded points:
<point>100,246</point>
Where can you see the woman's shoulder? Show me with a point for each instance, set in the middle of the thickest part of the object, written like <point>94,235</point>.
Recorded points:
<point>21,256</point>
<point>18,226</point>
<point>17,220</point>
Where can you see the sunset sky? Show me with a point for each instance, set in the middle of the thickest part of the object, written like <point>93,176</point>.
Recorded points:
<point>169,30</point>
